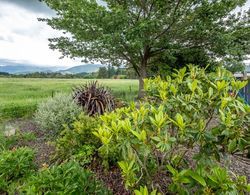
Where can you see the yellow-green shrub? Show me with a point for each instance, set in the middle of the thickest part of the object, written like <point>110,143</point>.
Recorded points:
<point>175,119</point>
<point>77,142</point>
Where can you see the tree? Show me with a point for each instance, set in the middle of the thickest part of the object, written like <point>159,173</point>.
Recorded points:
<point>102,73</point>
<point>138,33</point>
<point>111,71</point>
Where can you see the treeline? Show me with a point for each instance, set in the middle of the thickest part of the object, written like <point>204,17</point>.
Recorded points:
<point>47,75</point>
<point>116,73</point>
<point>102,73</point>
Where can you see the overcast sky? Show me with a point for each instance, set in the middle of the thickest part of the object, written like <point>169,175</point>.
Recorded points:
<point>25,40</point>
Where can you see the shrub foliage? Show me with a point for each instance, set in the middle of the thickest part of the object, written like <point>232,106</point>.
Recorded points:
<point>191,114</point>
<point>14,165</point>
<point>77,142</point>
<point>53,113</point>
<point>67,178</point>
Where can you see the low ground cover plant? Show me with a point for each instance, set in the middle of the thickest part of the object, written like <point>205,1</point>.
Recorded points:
<point>53,113</point>
<point>18,174</point>
<point>15,165</point>
<point>67,178</point>
<point>192,113</point>
<point>8,142</point>
<point>207,180</point>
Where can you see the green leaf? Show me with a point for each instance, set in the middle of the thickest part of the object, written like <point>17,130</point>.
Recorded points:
<point>221,85</point>
<point>232,145</point>
<point>123,165</point>
<point>143,135</point>
<point>210,92</point>
<point>180,121</point>
<point>197,177</point>
<point>173,89</point>
<point>137,192</point>
<point>248,187</point>
<point>172,170</point>
<point>185,180</point>
<point>156,139</point>
<point>193,86</point>
<point>135,133</point>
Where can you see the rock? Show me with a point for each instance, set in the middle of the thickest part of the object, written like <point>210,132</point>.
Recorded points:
<point>9,130</point>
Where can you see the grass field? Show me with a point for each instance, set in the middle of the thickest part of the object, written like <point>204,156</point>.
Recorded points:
<point>19,97</point>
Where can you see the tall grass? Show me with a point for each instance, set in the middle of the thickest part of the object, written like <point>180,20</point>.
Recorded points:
<point>20,96</point>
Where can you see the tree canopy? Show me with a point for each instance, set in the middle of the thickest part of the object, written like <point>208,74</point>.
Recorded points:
<point>145,33</point>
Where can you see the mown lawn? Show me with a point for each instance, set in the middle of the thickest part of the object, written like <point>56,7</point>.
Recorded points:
<point>20,96</point>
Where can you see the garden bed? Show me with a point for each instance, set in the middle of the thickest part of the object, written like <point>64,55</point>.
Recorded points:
<point>112,178</point>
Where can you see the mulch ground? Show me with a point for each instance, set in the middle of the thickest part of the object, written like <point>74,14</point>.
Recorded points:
<point>112,178</point>
<point>40,144</point>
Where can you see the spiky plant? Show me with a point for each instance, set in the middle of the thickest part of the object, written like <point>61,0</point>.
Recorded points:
<point>94,98</point>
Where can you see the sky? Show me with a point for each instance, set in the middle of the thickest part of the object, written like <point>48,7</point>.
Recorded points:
<point>24,40</point>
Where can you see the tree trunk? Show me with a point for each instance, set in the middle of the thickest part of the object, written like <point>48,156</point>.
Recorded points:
<point>143,71</point>
<point>142,76</point>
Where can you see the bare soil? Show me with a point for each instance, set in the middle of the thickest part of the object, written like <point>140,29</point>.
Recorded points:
<point>40,144</point>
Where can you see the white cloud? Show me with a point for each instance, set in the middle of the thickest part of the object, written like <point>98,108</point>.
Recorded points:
<point>24,39</point>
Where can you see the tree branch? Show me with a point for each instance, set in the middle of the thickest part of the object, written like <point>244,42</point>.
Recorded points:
<point>171,24</point>
<point>132,63</point>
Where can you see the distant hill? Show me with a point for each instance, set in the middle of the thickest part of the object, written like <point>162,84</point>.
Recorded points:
<point>25,69</point>
<point>88,68</point>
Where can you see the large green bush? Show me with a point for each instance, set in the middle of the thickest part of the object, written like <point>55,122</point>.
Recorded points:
<point>177,119</point>
<point>77,142</point>
<point>15,165</point>
<point>68,178</point>
<point>53,113</point>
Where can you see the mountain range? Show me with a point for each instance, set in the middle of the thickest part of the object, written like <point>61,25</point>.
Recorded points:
<point>24,69</point>
<point>88,68</point>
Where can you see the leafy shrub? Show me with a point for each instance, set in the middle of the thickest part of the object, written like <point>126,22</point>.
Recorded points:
<point>68,178</point>
<point>84,155</point>
<point>175,120</point>
<point>14,165</point>
<point>77,141</point>
<point>216,181</point>
<point>94,98</point>
<point>53,113</point>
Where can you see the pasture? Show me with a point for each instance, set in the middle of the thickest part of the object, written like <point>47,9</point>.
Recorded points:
<point>20,96</point>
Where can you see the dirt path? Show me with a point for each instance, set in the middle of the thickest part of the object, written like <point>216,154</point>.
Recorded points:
<point>40,144</point>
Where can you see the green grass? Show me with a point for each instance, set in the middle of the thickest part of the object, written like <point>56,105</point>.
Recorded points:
<point>20,96</point>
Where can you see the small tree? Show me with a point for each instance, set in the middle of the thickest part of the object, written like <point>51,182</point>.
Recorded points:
<point>102,73</point>
<point>138,33</point>
<point>111,71</point>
